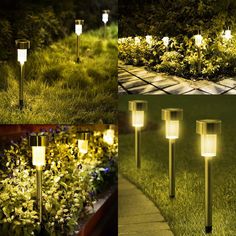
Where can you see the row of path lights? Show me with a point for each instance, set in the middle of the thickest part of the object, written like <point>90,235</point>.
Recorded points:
<point>39,141</point>
<point>23,45</point>
<point>208,129</point>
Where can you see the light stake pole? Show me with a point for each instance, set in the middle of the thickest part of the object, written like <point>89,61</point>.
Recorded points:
<point>105,17</point>
<point>78,31</point>
<point>138,107</point>
<point>208,129</point>
<point>172,117</point>
<point>38,142</point>
<point>22,45</point>
<point>198,42</point>
<point>83,141</point>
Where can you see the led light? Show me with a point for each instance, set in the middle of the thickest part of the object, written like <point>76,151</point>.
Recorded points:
<point>109,136</point>
<point>83,146</point>
<point>22,56</point>
<point>105,16</point>
<point>78,29</point>
<point>198,40</point>
<point>166,41</point>
<point>172,129</point>
<point>137,40</point>
<point>228,34</point>
<point>38,155</point>
<point>138,118</point>
<point>149,39</point>
<point>208,145</point>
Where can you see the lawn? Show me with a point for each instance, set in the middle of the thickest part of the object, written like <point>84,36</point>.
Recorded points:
<point>57,89</point>
<point>185,213</point>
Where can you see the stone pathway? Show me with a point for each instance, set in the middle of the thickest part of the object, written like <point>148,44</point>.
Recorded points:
<point>137,80</point>
<point>137,215</point>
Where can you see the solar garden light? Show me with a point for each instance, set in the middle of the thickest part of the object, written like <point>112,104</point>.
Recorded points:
<point>105,17</point>
<point>78,31</point>
<point>172,117</point>
<point>109,135</point>
<point>137,40</point>
<point>166,41</point>
<point>149,40</point>
<point>38,142</point>
<point>138,108</point>
<point>198,42</point>
<point>228,34</point>
<point>22,46</point>
<point>83,141</point>
<point>208,129</point>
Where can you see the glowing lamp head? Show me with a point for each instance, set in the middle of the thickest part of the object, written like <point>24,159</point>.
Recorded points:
<point>38,142</point>
<point>79,27</point>
<point>22,46</point>
<point>228,34</point>
<point>172,117</point>
<point>149,39</point>
<point>198,40</point>
<point>138,108</point>
<point>208,129</point>
<point>105,16</point>
<point>137,40</point>
<point>109,135</point>
<point>83,141</point>
<point>166,41</point>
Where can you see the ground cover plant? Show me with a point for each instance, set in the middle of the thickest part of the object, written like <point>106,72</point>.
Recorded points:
<point>58,90</point>
<point>71,183</point>
<point>185,213</point>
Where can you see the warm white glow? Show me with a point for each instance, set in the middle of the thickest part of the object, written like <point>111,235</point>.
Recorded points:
<point>198,40</point>
<point>105,18</point>
<point>166,41</point>
<point>172,129</point>
<point>137,40</point>
<point>138,118</point>
<point>228,35</point>
<point>149,39</point>
<point>38,154</point>
<point>208,145</point>
<point>109,136</point>
<point>22,55</point>
<point>83,146</point>
<point>78,29</point>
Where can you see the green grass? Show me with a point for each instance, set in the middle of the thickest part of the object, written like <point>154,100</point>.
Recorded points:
<point>185,214</point>
<point>58,90</point>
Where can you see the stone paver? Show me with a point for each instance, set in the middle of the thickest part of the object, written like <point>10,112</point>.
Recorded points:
<point>138,80</point>
<point>137,214</point>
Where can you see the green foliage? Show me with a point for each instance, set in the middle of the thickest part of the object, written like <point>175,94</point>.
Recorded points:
<point>71,182</point>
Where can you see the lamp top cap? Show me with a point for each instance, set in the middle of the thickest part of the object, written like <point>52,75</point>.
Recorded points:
<point>172,114</point>
<point>38,139</point>
<point>138,105</point>
<point>22,44</point>
<point>208,126</point>
<point>79,22</point>
<point>84,134</point>
<point>106,11</point>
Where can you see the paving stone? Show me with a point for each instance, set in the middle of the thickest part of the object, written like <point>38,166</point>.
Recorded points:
<point>146,88</point>
<point>229,82</point>
<point>196,92</point>
<point>179,88</point>
<point>230,92</point>
<point>127,78</point>
<point>133,83</point>
<point>121,90</point>
<point>156,92</point>
<point>215,89</point>
<point>164,83</point>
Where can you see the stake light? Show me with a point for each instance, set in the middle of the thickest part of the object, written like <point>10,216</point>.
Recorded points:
<point>109,135</point>
<point>166,41</point>
<point>83,141</point>
<point>105,16</point>
<point>198,40</point>
<point>22,46</point>
<point>79,27</point>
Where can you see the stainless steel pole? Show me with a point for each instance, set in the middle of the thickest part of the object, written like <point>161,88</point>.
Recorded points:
<point>199,61</point>
<point>21,99</point>
<point>78,59</point>
<point>171,168</point>
<point>137,146</point>
<point>39,190</point>
<point>208,195</point>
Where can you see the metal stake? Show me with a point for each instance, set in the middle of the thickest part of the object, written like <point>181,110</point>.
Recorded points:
<point>199,68</point>
<point>39,191</point>
<point>105,28</point>
<point>172,168</point>
<point>21,99</point>
<point>78,60</point>
<point>137,146</point>
<point>208,195</point>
